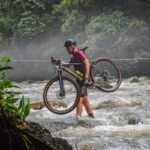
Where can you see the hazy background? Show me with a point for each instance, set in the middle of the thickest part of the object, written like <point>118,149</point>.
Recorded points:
<point>33,31</point>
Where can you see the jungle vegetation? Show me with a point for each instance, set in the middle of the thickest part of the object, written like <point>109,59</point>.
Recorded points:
<point>29,18</point>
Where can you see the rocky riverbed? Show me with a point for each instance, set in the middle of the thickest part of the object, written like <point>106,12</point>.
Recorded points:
<point>122,118</point>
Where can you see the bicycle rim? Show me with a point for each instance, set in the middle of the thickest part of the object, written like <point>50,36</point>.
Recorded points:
<point>61,103</point>
<point>105,75</point>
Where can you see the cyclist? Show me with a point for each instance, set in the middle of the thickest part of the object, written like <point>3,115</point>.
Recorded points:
<point>80,57</point>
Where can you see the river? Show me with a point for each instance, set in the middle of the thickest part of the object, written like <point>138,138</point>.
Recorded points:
<point>122,118</point>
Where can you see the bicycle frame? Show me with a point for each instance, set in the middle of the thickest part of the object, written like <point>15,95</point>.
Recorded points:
<point>63,67</point>
<point>104,74</point>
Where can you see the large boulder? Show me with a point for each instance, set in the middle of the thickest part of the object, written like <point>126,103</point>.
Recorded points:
<point>15,133</point>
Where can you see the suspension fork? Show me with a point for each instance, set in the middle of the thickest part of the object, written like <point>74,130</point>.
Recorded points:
<point>61,83</point>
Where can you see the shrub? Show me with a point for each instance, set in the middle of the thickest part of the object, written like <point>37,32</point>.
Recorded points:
<point>8,96</point>
<point>29,25</point>
<point>77,2</point>
<point>72,22</point>
<point>107,23</point>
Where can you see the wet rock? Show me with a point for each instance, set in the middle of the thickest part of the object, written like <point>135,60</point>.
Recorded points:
<point>144,79</point>
<point>132,121</point>
<point>86,147</point>
<point>30,81</point>
<point>134,80</point>
<point>109,104</point>
<point>15,133</point>
<point>37,105</point>
<point>136,103</point>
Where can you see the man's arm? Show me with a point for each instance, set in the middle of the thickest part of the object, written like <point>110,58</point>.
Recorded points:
<point>87,68</point>
<point>67,64</point>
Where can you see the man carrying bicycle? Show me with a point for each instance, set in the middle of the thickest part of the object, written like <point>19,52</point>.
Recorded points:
<point>80,57</point>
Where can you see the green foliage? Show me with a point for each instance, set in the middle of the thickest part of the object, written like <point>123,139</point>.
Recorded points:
<point>8,95</point>
<point>27,142</point>
<point>5,60</point>
<point>29,25</point>
<point>1,29</point>
<point>66,13</point>
<point>59,9</point>
<point>72,22</point>
<point>4,66</point>
<point>24,108</point>
<point>107,23</point>
<point>137,25</point>
<point>77,2</point>
<point>4,28</point>
<point>113,25</point>
<point>24,19</point>
<point>29,18</point>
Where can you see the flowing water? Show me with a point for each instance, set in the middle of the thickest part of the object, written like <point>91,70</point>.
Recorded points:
<point>122,118</point>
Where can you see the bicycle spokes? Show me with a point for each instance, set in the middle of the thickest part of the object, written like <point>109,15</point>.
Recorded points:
<point>104,79</point>
<point>61,96</point>
<point>106,75</point>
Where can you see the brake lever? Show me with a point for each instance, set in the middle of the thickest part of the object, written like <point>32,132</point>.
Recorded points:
<point>52,60</point>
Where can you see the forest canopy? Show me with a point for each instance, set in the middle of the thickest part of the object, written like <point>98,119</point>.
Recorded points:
<point>30,18</point>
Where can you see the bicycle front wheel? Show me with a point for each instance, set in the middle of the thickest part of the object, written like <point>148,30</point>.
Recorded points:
<point>105,75</point>
<point>57,102</point>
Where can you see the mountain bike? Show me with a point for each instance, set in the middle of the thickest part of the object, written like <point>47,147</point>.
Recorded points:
<point>61,94</point>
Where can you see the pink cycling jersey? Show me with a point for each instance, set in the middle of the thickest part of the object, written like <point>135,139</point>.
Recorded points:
<point>79,57</point>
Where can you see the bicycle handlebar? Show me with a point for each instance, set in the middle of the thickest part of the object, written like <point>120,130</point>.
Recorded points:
<point>58,61</point>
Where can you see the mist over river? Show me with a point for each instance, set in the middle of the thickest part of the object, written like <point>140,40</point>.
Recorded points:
<point>122,118</point>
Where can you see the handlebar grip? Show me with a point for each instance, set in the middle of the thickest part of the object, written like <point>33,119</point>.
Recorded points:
<point>52,60</point>
<point>55,61</point>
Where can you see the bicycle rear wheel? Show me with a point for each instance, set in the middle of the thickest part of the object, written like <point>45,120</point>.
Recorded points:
<point>105,75</point>
<point>57,102</point>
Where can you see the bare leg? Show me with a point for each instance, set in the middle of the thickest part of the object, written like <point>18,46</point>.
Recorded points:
<point>79,107</point>
<point>87,105</point>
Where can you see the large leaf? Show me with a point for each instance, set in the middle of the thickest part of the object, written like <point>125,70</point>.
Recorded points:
<point>27,142</point>
<point>24,108</point>
<point>27,109</point>
<point>6,68</point>
<point>11,100</point>
<point>21,106</point>
<point>7,83</point>
<point>5,59</point>
<point>13,92</point>
<point>13,86</point>
<point>11,106</point>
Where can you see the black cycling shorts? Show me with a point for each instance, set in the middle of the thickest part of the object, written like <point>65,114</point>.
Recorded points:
<point>83,89</point>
